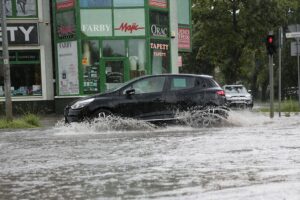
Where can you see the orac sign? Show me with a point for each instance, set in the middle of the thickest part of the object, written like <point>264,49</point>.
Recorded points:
<point>21,34</point>
<point>157,30</point>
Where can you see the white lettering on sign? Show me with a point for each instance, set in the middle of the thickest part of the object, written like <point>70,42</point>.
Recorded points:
<point>159,31</point>
<point>95,28</point>
<point>159,46</point>
<point>11,30</point>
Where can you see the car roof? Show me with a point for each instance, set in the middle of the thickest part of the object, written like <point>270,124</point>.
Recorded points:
<point>193,75</point>
<point>233,86</point>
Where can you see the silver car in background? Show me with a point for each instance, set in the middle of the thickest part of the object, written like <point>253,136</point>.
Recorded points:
<point>237,96</point>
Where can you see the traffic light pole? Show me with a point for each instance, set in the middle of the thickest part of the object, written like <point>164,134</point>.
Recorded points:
<point>7,82</point>
<point>298,69</point>
<point>271,71</point>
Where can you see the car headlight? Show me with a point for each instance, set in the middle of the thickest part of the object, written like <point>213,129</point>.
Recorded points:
<point>82,103</point>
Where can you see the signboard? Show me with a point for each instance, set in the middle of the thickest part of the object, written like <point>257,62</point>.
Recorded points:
<point>66,28</point>
<point>68,68</point>
<point>64,4</point>
<point>293,35</point>
<point>159,24</point>
<point>294,48</point>
<point>21,34</point>
<point>158,3</point>
<point>96,22</point>
<point>129,22</point>
<point>184,38</point>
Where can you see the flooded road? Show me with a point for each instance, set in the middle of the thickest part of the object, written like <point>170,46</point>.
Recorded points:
<point>251,157</point>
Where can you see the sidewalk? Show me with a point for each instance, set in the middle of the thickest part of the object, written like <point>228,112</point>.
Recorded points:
<point>50,120</point>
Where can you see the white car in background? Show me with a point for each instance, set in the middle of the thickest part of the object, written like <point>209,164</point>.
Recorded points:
<point>237,96</point>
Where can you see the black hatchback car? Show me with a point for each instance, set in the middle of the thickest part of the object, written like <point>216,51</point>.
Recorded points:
<point>150,98</point>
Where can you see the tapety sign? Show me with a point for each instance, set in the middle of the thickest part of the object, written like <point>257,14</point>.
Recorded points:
<point>159,49</point>
<point>21,34</point>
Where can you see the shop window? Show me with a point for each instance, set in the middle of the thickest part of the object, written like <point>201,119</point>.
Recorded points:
<point>21,8</point>
<point>25,71</point>
<point>159,24</point>
<point>95,3</point>
<point>128,3</point>
<point>160,56</point>
<point>137,57</point>
<point>184,12</point>
<point>114,48</point>
<point>90,64</point>
<point>66,27</point>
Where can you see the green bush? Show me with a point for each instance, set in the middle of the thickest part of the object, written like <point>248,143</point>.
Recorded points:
<point>286,106</point>
<point>26,121</point>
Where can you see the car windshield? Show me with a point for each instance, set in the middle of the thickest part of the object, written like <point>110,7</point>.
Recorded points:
<point>235,89</point>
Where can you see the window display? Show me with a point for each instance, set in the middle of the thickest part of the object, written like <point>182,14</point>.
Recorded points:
<point>26,7</point>
<point>160,54</point>
<point>137,57</point>
<point>114,48</point>
<point>90,64</point>
<point>25,70</point>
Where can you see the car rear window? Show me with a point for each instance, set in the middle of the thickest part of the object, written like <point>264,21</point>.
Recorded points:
<point>179,83</point>
<point>206,83</point>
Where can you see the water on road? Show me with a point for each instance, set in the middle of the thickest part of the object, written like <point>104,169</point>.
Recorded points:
<point>249,157</point>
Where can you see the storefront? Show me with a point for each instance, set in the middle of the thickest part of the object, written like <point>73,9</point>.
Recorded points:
<point>100,44</point>
<point>30,55</point>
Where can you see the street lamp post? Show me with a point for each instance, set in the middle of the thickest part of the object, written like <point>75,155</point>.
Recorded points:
<point>6,66</point>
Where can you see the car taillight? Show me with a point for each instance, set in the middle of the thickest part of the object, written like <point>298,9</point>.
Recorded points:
<point>221,93</point>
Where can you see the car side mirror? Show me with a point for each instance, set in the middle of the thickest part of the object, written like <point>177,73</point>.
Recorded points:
<point>249,91</point>
<point>130,91</point>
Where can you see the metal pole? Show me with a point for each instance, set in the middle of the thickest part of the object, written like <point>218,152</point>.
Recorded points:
<point>298,70</point>
<point>271,86</point>
<point>7,83</point>
<point>279,71</point>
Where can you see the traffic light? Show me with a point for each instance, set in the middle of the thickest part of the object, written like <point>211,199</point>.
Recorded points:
<point>270,44</point>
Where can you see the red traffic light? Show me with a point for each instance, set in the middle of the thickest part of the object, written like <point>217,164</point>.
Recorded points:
<point>270,39</point>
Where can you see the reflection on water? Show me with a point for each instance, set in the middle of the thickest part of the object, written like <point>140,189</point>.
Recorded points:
<point>250,157</point>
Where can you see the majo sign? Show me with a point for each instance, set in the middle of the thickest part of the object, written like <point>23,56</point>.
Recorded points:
<point>21,34</point>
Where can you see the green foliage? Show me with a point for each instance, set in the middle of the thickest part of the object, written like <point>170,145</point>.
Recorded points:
<point>229,39</point>
<point>27,121</point>
<point>286,106</point>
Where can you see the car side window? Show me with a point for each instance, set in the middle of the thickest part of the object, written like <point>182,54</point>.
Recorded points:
<point>179,83</point>
<point>148,85</point>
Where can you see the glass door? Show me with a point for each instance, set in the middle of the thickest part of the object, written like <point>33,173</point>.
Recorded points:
<point>113,73</point>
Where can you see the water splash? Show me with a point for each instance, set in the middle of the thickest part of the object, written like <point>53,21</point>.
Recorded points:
<point>105,125</point>
<point>204,117</point>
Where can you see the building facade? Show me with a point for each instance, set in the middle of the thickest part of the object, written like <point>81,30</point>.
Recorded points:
<point>30,56</point>
<point>100,44</point>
